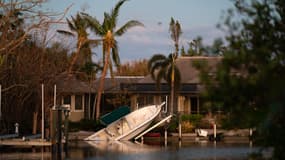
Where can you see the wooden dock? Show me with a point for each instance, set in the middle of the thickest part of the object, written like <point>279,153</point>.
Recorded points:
<point>21,142</point>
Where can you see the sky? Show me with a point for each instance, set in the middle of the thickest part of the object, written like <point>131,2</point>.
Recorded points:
<point>196,17</point>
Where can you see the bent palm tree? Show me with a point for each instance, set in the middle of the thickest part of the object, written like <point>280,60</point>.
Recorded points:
<point>79,26</point>
<point>164,68</point>
<point>107,30</point>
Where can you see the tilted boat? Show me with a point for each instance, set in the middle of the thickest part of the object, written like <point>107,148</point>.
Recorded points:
<point>129,126</point>
<point>114,115</point>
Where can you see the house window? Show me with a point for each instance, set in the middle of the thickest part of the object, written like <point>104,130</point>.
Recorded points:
<point>145,100</point>
<point>194,105</point>
<point>78,102</point>
<point>67,99</point>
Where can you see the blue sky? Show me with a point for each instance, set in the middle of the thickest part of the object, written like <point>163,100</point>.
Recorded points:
<point>197,18</point>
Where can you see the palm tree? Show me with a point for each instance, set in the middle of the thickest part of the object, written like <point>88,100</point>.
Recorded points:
<point>107,30</point>
<point>164,68</point>
<point>175,33</point>
<point>79,26</point>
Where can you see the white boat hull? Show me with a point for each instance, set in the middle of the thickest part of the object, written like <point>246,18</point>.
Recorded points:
<point>128,126</point>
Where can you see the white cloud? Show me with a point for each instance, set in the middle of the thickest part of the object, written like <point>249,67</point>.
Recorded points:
<point>141,42</point>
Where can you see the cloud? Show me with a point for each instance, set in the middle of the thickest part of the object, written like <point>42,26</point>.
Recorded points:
<point>141,42</point>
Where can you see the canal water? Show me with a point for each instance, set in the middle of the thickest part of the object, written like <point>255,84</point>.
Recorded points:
<point>136,151</point>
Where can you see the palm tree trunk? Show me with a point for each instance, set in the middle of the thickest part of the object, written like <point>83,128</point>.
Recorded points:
<point>172,91</point>
<point>102,82</point>
<point>74,58</point>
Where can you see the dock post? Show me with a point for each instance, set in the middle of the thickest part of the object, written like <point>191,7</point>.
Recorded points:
<point>43,114</point>
<point>250,133</point>
<point>179,127</point>
<point>66,115</point>
<point>215,132</point>
<point>250,137</point>
<point>16,128</point>
<point>165,134</point>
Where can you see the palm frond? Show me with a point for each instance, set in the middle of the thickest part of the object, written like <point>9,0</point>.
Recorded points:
<point>115,54</point>
<point>66,33</point>
<point>94,24</point>
<point>115,12</point>
<point>159,77</point>
<point>106,23</point>
<point>154,59</point>
<point>71,24</point>
<point>128,25</point>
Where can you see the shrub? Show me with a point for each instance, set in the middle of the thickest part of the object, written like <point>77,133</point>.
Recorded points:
<point>194,119</point>
<point>187,127</point>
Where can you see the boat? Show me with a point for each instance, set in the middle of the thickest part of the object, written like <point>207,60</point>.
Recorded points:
<point>129,126</point>
<point>114,115</point>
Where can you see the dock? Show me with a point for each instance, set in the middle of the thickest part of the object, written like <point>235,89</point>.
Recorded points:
<point>21,142</point>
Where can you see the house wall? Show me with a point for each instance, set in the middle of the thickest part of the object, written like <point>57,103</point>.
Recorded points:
<point>186,104</point>
<point>76,114</point>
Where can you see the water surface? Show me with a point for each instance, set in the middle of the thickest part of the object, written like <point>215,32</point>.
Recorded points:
<point>137,151</point>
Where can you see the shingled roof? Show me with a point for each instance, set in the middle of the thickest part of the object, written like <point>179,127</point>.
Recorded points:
<point>189,79</point>
<point>70,84</point>
<point>190,74</point>
<point>113,85</point>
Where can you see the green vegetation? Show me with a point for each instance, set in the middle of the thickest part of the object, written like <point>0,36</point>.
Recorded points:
<point>249,83</point>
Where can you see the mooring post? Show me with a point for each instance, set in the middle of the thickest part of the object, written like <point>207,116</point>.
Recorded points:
<point>43,114</point>
<point>16,128</point>
<point>179,127</point>
<point>66,110</point>
<point>215,132</point>
<point>58,131</point>
<point>165,134</point>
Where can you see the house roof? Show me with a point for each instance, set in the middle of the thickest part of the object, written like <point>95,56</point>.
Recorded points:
<point>70,84</point>
<point>190,74</point>
<point>189,78</point>
<point>114,84</point>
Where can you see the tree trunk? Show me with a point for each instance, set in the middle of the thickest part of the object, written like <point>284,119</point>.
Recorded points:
<point>35,120</point>
<point>102,82</point>
<point>74,58</point>
<point>172,98</point>
<point>172,90</point>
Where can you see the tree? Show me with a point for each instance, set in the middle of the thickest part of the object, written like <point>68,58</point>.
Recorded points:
<point>79,25</point>
<point>133,68</point>
<point>24,63</point>
<point>15,13</point>
<point>249,81</point>
<point>175,32</point>
<point>164,68</point>
<point>196,47</point>
<point>108,31</point>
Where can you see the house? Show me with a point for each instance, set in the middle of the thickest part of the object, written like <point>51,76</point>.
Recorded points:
<point>74,92</point>
<point>188,100</point>
<point>137,91</point>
